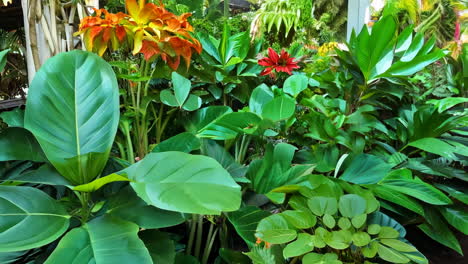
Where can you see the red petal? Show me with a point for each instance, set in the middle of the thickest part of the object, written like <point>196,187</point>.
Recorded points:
<point>273,55</point>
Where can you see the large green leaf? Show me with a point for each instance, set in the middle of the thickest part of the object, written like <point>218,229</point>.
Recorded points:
<point>443,235</point>
<point>46,174</point>
<point>187,183</point>
<point>457,216</point>
<point>159,245</point>
<point>13,118</point>
<point>73,110</point>
<point>245,221</point>
<point>230,125</point>
<point>19,144</point>
<point>279,108</point>
<point>398,198</point>
<point>204,116</point>
<point>29,218</point>
<point>184,142</point>
<point>276,230</point>
<point>366,169</point>
<point>128,206</point>
<point>436,146</point>
<point>260,96</point>
<point>295,84</point>
<point>419,190</point>
<point>104,240</point>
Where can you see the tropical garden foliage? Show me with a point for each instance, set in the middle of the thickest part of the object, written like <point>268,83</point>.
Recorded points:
<point>164,144</point>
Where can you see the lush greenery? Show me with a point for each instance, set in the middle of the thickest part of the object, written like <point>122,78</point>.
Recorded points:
<point>167,144</point>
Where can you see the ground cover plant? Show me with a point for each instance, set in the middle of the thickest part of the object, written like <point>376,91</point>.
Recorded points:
<point>162,144</point>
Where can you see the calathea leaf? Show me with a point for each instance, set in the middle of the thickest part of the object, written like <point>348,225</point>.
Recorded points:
<point>77,91</point>
<point>104,240</point>
<point>186,183</point>
<point>30,218</point>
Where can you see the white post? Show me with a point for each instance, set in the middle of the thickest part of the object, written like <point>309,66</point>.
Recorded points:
<point>358,16</point>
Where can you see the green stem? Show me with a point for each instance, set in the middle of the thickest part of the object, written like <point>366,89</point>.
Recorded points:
<point>199,236</point>
<point>85,210</point>
<point>193,228</point>
<point>130,154</point>
<point>226,8</point>
<point>210,241</point>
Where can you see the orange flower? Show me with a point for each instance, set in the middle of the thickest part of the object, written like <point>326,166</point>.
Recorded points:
<point>103,30</point>
<point>153,30</point>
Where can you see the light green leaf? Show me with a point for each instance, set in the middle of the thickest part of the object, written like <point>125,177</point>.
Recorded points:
<point>295,84</point>
<point>186,183</point>
<point>275,229</point>
<point>361,239</point>
<point>303,244</point>
<point>300,219</point>
<point>98,183</point>
<point>260,96</point>
<point>181,87</point>
<point>388,232</point>
<point>78,93</point>
<point>398,245</point>
<point>279,108</point>
<point>391,255</point>
<point>315,258</point>
<point>339,239</point>
<point>419,190</point>
<point>168,98</point>
<point>329,221</point>
<point>104,240</point>
<point>344,223</point>
<point>321,205</point>
<point>29,218</point>
<point>359,220</point>
<point>193,103</point>
<point>436,146</point>
<point>457,216</point>
<point>230,125</point>
<point>351,205</point>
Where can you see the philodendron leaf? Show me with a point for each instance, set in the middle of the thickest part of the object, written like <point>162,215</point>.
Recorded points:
<point>73,111</point>
<point>104,240</point>
<point>29,218</point>
<point>275,229</point>
<point>98,183</point>
<point>245,221</point>
<point>19,144</point>
<point>186,183</point>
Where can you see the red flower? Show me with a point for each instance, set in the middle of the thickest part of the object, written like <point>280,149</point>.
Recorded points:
<point>278,63</point>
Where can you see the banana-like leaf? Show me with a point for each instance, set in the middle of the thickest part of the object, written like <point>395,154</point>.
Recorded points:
<point>29,218</point>
<point>104,240</point>
<point>73,110</point>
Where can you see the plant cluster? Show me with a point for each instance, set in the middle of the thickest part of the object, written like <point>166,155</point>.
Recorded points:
<point>130,157</point>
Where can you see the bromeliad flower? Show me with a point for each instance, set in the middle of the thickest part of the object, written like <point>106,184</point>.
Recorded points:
<point>278,63</point>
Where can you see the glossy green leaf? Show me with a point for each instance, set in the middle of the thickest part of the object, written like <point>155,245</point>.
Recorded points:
<point>19,144</point>
<point>98,183</point>
<point>105,240</point>
<point>78,93</point>
<point>295,84</point>
<point>315,258</point>
<point>457,216</point>
<point>212,149</point>
<point>259,98</point>
<point>181,87</point>
<point>204,116</point>
<point>373,229</point>
<point>359,220</point>
<point>321,205</point>
<point>3,59</point>
<point>245,221</point>
<point>397,245</point>
<point>303,244</point>
<point>128,206</point>
<point>391,255</point>
<point>388,232</point>
<point>193,103</point>
<point>29,218</point>
<point>279,108</point>
<point>300,219</point>
<point>454,191</point>
<point>398,198</point>
<point>46,174</point>
<point>186,183</point>
<point>339,239</point>
<point>13,118</point>
<point>275,230</point>
<point>351,205</point>
<point>361,239</point>
<point>168,98</point>
<point>160,246</point>
<point>436,146</point>
<point>370,251</point>
<point>419,190</point>
<point>401,68</point>
<point>442,235</point>
<point>230,125</point>
<point>366,169</point>
<point>329,221</point>
<point>183,142</point>
<point>381,219</point>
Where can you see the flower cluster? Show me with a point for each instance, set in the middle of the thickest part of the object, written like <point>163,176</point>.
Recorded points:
<point>278,63</point>
<point>149,28</point>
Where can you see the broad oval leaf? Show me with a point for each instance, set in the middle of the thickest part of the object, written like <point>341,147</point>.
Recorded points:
<point>279,108</point>
<point>186,183</point>
<point>19,144</point>
<point>245,221</point>
<point>275,230</point>
<point>351,205</point>
<point>73,110</point>
<point>366,169</point>
<point>29,218</point>
<point>104,240</point>
<point>295,84</point>
<point>303,244</point>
